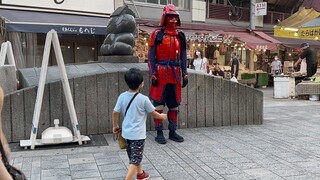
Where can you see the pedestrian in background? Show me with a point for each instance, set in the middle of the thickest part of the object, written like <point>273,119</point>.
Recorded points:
<point>200,62</point>
<point>235,66</point>
<point>276,66</point>
<point>311,59</point>
<point>217,70</point>
<point>134,107</point>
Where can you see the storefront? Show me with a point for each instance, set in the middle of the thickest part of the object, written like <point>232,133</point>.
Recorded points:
<point>206,40</point>
<point>81,29</point>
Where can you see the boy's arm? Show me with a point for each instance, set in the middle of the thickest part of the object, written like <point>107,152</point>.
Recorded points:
<point>157,115</point>
<point>115,116</point>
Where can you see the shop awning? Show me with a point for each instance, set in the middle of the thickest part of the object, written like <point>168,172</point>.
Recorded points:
<point>266,37</point>
<point>42,22</point>
<point>295,43</point>
<point>252,41</point>
<point>290,26</point>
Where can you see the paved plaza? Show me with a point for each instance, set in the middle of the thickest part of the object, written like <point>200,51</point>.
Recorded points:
<point>286,146</point>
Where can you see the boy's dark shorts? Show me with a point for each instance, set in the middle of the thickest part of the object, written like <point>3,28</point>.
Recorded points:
<point>135,151</point>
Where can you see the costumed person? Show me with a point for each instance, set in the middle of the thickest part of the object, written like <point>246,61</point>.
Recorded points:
<point>168,70</point>
<point>200,62</point>
<point>276,66</point>
<point>311,59</point>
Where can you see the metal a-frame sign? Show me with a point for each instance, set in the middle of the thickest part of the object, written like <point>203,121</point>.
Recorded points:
<point>53,37</point>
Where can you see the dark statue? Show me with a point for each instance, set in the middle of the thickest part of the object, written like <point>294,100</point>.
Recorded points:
<point>120,38</point>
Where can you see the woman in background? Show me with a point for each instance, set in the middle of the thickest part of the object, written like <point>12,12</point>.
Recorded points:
<point>200,63</point>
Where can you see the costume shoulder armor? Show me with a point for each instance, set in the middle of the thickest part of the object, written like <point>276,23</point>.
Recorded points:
<point>180,31</point>
<point>153,37</point>
<point>181,34</point>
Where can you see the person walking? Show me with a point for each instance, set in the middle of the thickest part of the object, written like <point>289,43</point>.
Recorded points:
<point>134,107</point>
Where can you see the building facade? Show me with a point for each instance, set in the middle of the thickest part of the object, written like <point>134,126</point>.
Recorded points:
<point>82,26</point>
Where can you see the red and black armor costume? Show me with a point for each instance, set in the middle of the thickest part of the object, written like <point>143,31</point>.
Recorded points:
<point>168,67</point>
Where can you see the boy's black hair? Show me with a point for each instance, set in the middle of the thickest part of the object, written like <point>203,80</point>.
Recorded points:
<point>133,78</point>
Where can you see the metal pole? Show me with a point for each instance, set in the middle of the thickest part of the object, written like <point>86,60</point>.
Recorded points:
<point>252,15</point>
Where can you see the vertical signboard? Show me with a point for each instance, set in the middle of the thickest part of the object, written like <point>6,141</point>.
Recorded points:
<point>84,6</point>
<point>260,9</point>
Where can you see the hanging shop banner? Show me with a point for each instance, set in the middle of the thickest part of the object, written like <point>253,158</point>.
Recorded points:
<point>281,32</point>
<point>309,33</point>
<point>81,6</point>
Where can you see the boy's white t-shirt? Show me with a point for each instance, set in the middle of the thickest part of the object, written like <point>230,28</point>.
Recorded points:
<point>134,123</point>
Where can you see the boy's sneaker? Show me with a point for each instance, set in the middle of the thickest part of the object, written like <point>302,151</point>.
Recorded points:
<point>143,176</point>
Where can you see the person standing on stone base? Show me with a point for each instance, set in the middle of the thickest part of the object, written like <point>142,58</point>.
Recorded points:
<point>168,70</point>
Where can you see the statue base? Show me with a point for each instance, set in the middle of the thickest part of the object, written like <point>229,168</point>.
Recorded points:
<point>118,59</point>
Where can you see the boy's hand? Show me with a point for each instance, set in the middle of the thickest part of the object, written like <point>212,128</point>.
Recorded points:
<point>116,129</point>
<point>163,116</point>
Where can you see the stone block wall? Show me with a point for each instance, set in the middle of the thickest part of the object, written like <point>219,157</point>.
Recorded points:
<point>206,102</point>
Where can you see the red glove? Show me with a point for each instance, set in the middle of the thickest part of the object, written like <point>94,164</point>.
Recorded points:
<point>154,81</point>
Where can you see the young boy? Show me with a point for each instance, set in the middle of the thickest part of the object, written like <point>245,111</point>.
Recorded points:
<point>134,123</point>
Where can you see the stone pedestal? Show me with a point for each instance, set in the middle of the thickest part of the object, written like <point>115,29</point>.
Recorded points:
<point>118,59</point>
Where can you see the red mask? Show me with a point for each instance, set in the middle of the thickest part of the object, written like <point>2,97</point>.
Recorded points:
<point>171,20</point>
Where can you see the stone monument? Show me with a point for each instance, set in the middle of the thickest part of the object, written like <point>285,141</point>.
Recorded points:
<point>119,43</point>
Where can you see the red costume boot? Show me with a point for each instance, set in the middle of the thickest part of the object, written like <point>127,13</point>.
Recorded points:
<point>159,127</point>
<point>173,121</point>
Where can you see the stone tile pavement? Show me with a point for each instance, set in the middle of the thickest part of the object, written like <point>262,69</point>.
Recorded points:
<point>286,146</point>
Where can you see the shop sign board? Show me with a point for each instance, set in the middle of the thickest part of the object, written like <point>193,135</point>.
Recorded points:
<point>309,33</point>
<point>204,38</point>
<point>262,47</point>
<point>260,9</point>
<point>82,6</point>
<point>280,32</point>
<point>78,30</point>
